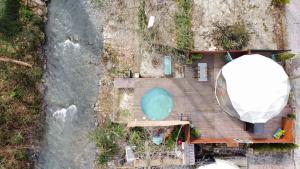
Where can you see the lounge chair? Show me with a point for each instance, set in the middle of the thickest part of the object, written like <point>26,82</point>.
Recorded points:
<point>202,72</point>
<point>168,65</point>
<point>278,133</point>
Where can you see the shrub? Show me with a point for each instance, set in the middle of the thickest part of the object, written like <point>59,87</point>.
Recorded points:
<point>285,56</point>
<point>137,139</point>
<point>231,37</point>
<point>274,147</point>
<point>20,155</point>
<point>17,93</point>
<point>171,141</point>
<point>9,19</point>
<point>197,56</point>
<point>292,116</point>
<point>106,139</point>
<point>195,133</point>
<point>279,3</point>
<point>26,13</point>
<point>189,61</point>
<point>17,139</point>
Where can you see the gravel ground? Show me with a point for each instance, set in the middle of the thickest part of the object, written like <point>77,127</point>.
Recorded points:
<point>262,21</point>
<point>293,43</point>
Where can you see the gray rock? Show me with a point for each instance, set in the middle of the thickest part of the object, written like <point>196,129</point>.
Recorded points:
<point>38,3</point>
<point>39,12</point>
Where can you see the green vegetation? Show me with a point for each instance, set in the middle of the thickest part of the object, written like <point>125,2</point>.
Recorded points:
<point>274,147</point>
<point>292,116</point>
<point>183,24</point>
<point>20,102</point>
<point>137,138</point>
<point>171,140</point>
<point>197,56</point>
<point>189,61</point>
<point>279,3</point>
<point>10,24</point>
<point>285,56</point>
<point>195,133</point>
<point>231,37</point>
<point>25,11</point>
<point>107,139</point>
<point>142,18</point>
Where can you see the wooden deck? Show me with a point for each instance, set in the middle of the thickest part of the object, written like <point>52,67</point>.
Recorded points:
<point>196,101</point>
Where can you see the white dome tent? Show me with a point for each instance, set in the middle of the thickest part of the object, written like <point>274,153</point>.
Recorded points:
<point>252,88</point>
<point>220,164</point>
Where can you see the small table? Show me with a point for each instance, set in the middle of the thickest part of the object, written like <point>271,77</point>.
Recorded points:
<point>202,72</point>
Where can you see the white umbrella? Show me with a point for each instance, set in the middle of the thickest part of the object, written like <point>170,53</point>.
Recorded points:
<point>258,87</point>
<point>220,164</point>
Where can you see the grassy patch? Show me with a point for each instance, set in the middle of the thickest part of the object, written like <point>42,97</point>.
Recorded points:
<point>142,18</point>
<point>183,24</point>
<point>274,147</point>
<point>106,139</point>
<point>231,37</point>
<point>20,101</point>
<point>10,24</point>
<point>137,139</point>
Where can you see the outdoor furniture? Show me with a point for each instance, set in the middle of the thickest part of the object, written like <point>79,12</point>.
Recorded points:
<point>129,154</point>
<point>158,139</point>
<point>202,72</point>
<point>278,133</point>
<point>168,65</point>
<point>258,129</point>
<point>228,57</point>
<point>274,57</point>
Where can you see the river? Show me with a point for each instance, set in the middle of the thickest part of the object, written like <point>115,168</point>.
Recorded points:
<point>73,47</point>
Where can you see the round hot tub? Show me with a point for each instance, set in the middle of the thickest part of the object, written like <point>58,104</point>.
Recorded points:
<point>157,104</point>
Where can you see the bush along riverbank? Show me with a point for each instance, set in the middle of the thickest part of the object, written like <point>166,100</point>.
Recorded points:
<point>21,68</point>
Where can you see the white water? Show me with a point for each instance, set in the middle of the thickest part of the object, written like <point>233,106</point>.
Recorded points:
<point>65,114</point>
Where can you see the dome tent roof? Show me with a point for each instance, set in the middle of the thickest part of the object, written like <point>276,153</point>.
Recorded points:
<point>256,86</point>
<point>220,164</point>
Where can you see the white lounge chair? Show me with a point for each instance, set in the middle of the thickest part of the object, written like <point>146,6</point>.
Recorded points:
<point>202,72</point>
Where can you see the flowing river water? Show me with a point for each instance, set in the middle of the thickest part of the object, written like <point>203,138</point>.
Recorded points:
<point>74,42</point>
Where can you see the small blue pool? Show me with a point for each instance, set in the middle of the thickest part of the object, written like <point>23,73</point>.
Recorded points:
<point>157,104</point>
<point>167,65</point>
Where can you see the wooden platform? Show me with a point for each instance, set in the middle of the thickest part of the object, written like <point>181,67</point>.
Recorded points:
<point>195,101</point>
